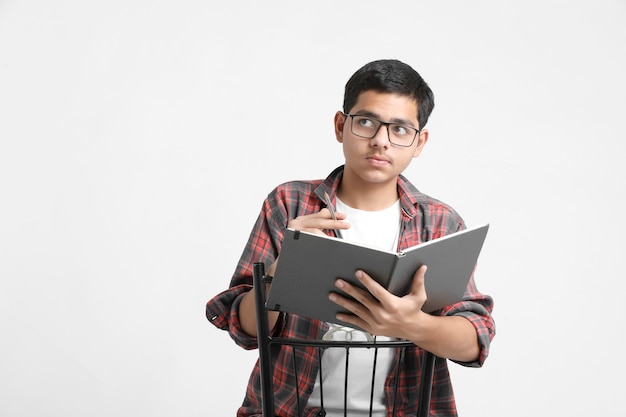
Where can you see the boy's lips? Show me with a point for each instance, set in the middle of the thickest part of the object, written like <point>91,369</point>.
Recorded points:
<point>378,160</point>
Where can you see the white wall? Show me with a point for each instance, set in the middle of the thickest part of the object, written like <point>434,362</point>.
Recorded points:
<point>118,219</point>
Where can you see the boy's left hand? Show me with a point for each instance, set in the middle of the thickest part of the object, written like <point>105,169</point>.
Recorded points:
<point>378,311</point>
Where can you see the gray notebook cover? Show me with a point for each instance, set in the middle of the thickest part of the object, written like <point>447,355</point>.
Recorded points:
<point>309,264</point>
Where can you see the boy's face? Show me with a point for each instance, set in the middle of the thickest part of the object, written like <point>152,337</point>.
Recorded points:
<point>377,160</point>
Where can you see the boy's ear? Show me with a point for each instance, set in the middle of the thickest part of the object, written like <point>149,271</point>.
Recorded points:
<point>422,138</point>
<point>340,122</point>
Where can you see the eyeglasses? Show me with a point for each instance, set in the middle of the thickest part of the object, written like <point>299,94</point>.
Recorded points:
<point>367,127</point>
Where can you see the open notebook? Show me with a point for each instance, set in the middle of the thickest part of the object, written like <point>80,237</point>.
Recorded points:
<point>309,264</point>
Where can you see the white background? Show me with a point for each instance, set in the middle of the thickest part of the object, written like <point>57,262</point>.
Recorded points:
<point>138,139</point>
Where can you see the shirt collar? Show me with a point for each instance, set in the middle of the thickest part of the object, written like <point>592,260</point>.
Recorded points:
<point>410,196</point>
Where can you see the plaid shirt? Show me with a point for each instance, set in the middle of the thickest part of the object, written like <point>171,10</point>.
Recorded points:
<point>423,219</point>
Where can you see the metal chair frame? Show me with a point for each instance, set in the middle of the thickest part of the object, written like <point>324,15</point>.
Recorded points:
<point>266,342</point>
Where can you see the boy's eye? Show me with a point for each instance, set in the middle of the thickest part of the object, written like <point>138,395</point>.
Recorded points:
<point>365,122</point>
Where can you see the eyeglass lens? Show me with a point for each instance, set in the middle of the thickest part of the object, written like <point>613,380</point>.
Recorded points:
<point>367,127</point>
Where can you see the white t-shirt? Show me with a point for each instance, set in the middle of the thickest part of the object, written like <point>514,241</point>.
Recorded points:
<point>373,228</point>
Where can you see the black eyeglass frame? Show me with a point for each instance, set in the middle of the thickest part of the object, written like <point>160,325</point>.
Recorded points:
<point>386,124</point>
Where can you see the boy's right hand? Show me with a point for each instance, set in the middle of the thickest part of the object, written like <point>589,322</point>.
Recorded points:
<point>318,222</point>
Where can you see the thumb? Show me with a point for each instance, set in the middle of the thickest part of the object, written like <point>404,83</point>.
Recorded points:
<point>418,288</point>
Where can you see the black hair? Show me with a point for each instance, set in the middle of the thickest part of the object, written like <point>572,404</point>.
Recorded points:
<point>390,76</point>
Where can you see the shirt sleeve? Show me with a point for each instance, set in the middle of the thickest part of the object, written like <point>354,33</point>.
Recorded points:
<point>262,246</point>
<point>477,308</point>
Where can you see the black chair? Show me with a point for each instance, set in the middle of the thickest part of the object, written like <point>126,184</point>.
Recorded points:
<point>266,342</point>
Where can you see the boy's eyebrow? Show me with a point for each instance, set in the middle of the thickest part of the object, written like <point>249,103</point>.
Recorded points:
<point>393,120</point>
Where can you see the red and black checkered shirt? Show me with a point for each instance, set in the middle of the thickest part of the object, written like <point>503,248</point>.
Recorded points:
<point>423,219</point>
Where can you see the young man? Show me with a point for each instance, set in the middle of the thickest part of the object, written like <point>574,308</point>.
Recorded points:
<point>381,130</point>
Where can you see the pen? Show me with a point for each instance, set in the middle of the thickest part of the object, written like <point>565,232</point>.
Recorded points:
<point>332,212</point>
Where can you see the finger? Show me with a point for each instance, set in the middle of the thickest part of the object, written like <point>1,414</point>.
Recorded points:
<point>356,313</point>
<point>375,289</point>
<point>327,213</point>
<point>339,223</point>
<point>418,285</point>
<point>354,321</point>
<point>362,296</point>
<point>340,216</point>
<point>317,222</point>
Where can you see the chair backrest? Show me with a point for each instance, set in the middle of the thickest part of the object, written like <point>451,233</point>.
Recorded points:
<point>266,342</point>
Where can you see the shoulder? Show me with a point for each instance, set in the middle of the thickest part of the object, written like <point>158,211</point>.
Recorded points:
<point>433,214</point>
<point>431,204</point>
<point>296,187</point>
<point>306,187</point>
<point>304,196</point>
<point>294,198</point>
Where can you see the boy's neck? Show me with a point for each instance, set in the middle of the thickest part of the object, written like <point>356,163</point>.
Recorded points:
<point>368,196</point>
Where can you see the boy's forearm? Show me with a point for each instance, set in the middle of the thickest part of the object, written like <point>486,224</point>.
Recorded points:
<point>452,337</point>
<point>247,315</point>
